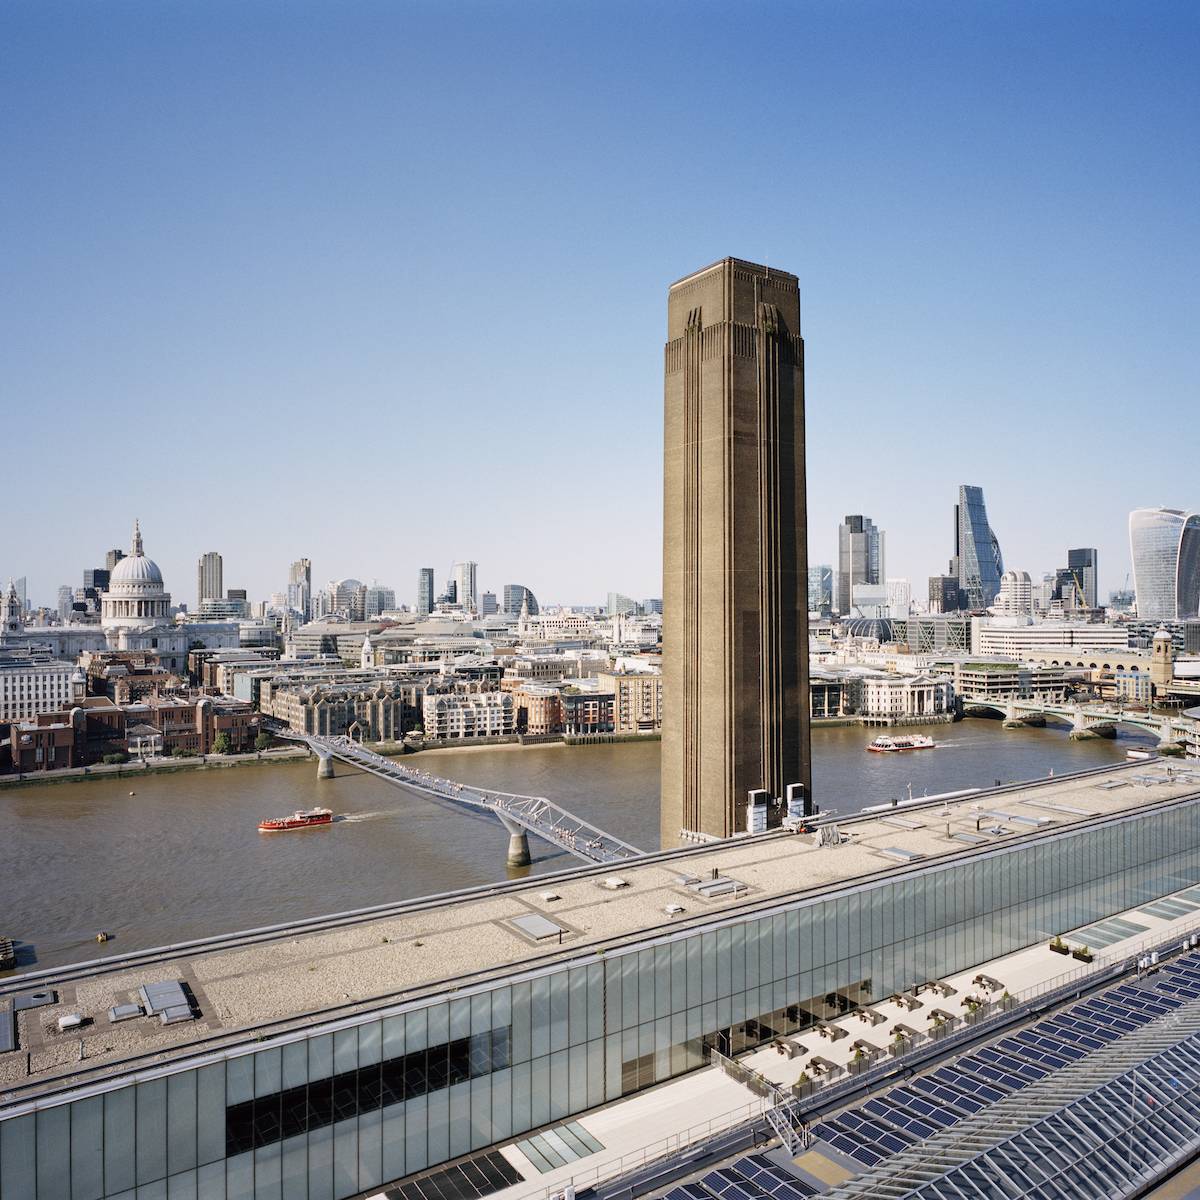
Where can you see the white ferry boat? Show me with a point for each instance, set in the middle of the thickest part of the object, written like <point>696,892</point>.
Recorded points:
<point>892,745</point>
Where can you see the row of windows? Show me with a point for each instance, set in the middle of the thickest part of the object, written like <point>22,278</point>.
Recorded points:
<point>260,1122</point>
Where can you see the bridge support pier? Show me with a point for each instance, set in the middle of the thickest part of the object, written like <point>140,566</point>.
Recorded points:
<point>324,766</point>
<point>1079,730</point>
<point>518,845</point>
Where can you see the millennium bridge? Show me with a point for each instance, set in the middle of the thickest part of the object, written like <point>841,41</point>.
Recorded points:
<point>520,815</point>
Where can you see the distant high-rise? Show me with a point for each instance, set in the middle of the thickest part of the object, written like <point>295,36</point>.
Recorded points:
<point>652,605</point>
<point>1083,565</point>
<point>618,604</point>
<point>487,604</point>
<point>735,569</point>
<point>425,591</point>
<point>820,590</point>
<point>1165,546</point>
<point>467,584</point>
<point>899,598</point>
<point>111,559</point>
<point>516,594</point>
<point>66,601</point>
<point>860,559</point>
<point>944,594</point>
<point>378,599</point>
<point>299,593</point>
<point>977,560</point>
<point>210,582</point>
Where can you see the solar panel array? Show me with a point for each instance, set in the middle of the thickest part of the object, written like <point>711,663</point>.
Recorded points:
<point>886,1124</point>
<point>754,1177</point>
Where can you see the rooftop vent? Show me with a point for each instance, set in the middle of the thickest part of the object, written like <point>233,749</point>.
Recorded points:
<point>549,896</point>
<point>673,910</point>
<point>34,999</point>
<point>614,883</point>
<point>900,854</point>
<point>538,927</point>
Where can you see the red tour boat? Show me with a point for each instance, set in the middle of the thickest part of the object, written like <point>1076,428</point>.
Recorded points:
<point>303,819</point>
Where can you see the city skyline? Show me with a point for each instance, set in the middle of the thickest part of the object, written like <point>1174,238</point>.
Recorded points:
<point>958,302</point>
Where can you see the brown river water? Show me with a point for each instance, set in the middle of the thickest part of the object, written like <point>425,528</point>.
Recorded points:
<point>182,858</point>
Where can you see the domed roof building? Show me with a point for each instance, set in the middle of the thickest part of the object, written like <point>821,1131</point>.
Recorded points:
<point>135,598</point>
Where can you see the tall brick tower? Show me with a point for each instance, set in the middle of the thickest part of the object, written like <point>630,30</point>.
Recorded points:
<point>735,562</point>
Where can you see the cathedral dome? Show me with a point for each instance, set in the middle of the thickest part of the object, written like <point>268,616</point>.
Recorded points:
<point>135,598</point>
<point>136,568</point>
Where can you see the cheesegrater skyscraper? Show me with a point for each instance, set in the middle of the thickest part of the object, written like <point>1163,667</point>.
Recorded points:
<point>735,569</point>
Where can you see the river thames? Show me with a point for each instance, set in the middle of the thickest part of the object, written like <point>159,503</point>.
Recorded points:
<point>181,858</point>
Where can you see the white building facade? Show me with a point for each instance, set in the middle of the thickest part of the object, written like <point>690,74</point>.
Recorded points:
<point>473,715</point>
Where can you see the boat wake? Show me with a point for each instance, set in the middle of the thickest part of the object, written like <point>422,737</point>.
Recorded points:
<point>354,817</point>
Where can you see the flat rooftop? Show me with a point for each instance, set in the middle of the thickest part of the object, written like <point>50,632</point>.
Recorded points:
<point>281,982</point>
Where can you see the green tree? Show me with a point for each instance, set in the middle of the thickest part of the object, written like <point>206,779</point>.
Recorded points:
<point>222,744</point>
<point>263,741</point>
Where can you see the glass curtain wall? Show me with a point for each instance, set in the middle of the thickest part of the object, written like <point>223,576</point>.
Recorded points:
<point>980,563</point>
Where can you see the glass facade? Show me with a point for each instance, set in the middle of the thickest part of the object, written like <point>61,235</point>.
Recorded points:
<point>1164,544</point>
<point>356,1105</point>
<point>980,563</point>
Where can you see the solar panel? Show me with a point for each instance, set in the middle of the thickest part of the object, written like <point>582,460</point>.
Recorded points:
<point>923,1107</point>
<point>898,1117</point>
<point>688,1191</point>
<point>1041,1050</point>
<point>880,1138</point>
<point>1126,1020</point>
<point>1149,1001</point>
<point>946,1096</point>
<point>1015,1065</point>
<point>774,1180</point>
<point>1070,1031</point>
<point>993,1075</point>
<point>964,1081</point>
<point>729,1185</point>
<point>847,1144</point>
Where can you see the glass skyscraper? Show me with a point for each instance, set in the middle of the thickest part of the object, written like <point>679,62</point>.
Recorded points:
<point>1164,544</point>
<point>977,561</point>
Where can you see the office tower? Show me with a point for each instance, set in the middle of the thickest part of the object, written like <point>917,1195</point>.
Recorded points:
<point>899,598</point>
<point>820,590</point>
<point>111,559</point>
<point>977,554</point>
<point>735,623</point>
<point>653,605</point>
<point>944,596</point>
<point>96,580</point>
<point>299,592</point>
<point>466,585</point>
<point>487,604</point>
<point>66,601</point>
<point>618,604</point>
<point>1083,565</point>
<point>209,577</point>
<point>1016,594</point>
<point>378,599</point>
<point>22,589</point>
<point>1165,546</point>
<point>425,591</point>
<point>516,595</point>
<point>860,559</point>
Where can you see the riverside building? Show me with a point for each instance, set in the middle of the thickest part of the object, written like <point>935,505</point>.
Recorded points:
<point>327,1058</point>
<point>735,559</point>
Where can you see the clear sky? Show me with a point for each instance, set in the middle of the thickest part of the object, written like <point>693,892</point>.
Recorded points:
<point>384,284</point>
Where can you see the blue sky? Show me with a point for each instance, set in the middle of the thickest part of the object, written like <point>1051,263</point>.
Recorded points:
<point>385,283</point>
